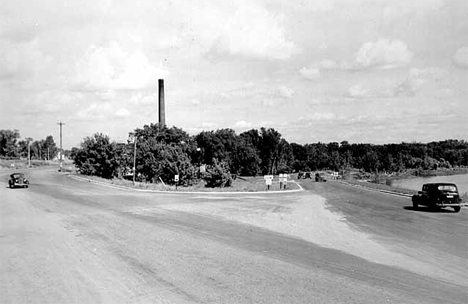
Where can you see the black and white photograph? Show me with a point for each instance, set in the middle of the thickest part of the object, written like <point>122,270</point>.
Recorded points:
<point>233,152</point>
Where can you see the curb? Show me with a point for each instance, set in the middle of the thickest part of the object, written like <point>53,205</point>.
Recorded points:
<point>376,190</point>
<point>184,192</point>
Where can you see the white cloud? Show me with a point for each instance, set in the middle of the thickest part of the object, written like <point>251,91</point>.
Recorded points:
<point>122,112</point>
<point>400,8</point>
<point>312,119</point>
<point>102,111</point>
<point>242,124</point>
<point>357,91</point>
<point>111,68</point>
<point>23,59</point>
<point>416,79</point>
<point>383,54</point>
<point>460,58</point>
<point>95,111</point>
<point>286,92</point>
<point>106,95</point>
<point>253,31</point>
<point>310,73</point>
<point>328,64</point>
<point>208,125</point>
<point>141,99</point>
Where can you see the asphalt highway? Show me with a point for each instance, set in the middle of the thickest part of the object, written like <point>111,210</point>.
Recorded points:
<point>69,241</point>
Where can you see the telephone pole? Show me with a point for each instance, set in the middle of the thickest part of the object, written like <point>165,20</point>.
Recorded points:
<point>61,151</point>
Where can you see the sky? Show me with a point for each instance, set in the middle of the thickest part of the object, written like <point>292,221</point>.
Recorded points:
<point>364,71</point>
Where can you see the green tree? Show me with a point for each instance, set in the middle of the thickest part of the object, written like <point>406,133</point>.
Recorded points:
<point>217,175</point>
<point>8,143</point>
<point>96,156</point>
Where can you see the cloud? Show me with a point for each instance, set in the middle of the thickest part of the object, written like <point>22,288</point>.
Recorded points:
<point>383,54</point>
<point>310,73</point>
<point>103,68</point>
<point>357,91</point>
<point>320,116</point>
<point>416,79</point>
<point>460,58</point>
<point>328,64</point>
<point>253,31</point>
<point>242,124</point>
<point>208,125</point>
<point>122,113</point>
<point>107,95</point>
<point>102,111</point>
<point>286,92</point>
<point>396,9</point>
<point>141,99</point>
<point>22,59</point>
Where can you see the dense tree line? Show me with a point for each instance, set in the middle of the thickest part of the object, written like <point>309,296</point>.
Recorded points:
<point>160,153</point>
<point>12,147</point>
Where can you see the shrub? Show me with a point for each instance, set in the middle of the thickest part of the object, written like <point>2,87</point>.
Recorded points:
<point>217,175</point>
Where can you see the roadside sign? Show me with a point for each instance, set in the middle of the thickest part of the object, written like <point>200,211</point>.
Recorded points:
<point>268,177</point>
<point>176,177</point>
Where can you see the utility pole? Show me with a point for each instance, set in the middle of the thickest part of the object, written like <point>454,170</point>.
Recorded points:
<point>134,158</point>
<point>29,154</point>
<point>61,151</point>
<point>134,137</point>
<point>29,139</point>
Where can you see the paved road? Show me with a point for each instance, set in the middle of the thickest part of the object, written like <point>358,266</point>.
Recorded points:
<point>67,241</point>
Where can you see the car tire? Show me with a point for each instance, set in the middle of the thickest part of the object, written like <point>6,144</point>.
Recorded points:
<point>457,208</point>
<point>415,205</point>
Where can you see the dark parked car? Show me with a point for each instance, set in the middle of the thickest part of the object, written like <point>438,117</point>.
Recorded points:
<point>320,177</point>
<point>18,180</point>
<point>304,175</point>
<point>438,195</point>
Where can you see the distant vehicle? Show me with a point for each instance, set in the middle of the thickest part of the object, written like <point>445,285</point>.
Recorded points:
<point>438,195</point>
<point>320,177</point>
<point>304,175</point>
<point>18,180</point>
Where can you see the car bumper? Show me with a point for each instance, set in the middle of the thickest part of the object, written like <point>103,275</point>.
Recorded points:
<point>450,204</point>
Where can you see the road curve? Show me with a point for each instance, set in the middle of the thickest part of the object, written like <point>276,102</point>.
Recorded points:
<point>68,241</point>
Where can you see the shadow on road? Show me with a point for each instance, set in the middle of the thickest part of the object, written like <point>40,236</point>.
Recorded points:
<point>425,209</point>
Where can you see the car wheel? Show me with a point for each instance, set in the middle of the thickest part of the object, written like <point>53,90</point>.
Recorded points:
<point>415,205</point>
<point>457,208</point>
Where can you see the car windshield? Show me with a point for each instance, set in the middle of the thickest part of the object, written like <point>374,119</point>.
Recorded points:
<point>17,175</point>
<point>447,188</point>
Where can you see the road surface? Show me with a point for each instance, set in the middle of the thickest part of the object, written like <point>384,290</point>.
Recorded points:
<point>69,241</point>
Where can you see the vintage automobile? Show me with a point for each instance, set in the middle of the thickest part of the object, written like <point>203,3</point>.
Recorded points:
<point>304,175</point>
<point>320,177</point>
<point>438,195</point>
<point>18,180</point>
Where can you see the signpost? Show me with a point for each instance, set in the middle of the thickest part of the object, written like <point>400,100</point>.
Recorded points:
<point>283,179</point>
<point>176,179</point>
<point>268,180</point>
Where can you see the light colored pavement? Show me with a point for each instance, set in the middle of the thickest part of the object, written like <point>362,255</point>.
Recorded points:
<point>68,241</point>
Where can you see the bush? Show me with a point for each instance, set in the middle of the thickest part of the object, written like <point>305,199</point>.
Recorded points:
<point>217,175</point>
<point>96,156</point>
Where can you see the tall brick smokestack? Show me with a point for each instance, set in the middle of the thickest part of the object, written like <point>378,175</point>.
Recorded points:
<point>162,110</point>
